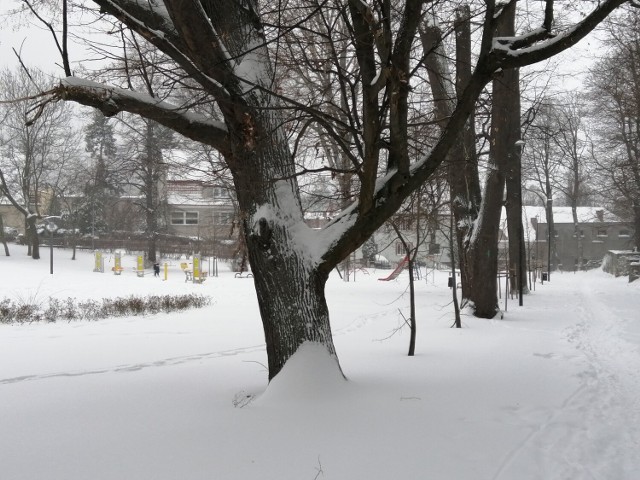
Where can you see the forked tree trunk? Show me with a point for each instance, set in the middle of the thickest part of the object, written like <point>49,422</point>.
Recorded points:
<point>289,279</point>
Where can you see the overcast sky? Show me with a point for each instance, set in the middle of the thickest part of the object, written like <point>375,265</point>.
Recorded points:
<point>34,43</point>
<point>37,49</point>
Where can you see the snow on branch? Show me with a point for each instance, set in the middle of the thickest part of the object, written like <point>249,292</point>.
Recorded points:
<point>112,100</point>
<point>541,43</point>
<point>154,23</point>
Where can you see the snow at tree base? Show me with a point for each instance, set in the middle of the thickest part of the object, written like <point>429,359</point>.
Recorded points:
<point>550,392</point>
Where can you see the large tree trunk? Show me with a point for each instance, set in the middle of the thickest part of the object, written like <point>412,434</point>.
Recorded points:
<point>483,245</point>
<point>290,293</point>
<point>289,280</point>
<point>483,248</point>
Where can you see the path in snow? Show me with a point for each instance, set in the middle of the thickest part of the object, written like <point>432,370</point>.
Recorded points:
<point>595,432</point>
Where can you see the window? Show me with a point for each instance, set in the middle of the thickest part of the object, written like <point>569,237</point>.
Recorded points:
<point>184,218</point>
<point>400,248</point>
<point>403,222</point>
<point>601,232</point>
<point>581,234</point>
<point>220,192</point>
<point>624,233</point>
<point>434,249</point>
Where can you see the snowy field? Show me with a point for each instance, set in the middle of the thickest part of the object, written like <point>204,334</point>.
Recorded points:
<point>551,392</point>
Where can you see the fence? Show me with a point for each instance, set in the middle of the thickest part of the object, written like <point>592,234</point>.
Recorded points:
<point>166,248</point>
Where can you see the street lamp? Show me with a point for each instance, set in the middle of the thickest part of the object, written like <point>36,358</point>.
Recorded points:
<point>537,262</point>
<point>549,214</point>
<point>51,227</point>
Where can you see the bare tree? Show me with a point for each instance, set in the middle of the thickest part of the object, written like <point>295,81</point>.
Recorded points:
<point>34,150</point>
<point>615,87</point>
<point>573,147</point>
<point>220,52</point>
<point>541,169</point>
<point>144,142</point>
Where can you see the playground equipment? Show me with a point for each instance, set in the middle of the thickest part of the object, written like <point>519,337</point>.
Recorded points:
<point>195,275</point>
<point>99,262</point>
<point>401,264</point>
<point>117,267</point>
<point>140,266</point>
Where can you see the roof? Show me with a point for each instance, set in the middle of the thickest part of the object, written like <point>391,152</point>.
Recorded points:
<point>561,215</point>
<point>196,199</point>
<point>564,215</point>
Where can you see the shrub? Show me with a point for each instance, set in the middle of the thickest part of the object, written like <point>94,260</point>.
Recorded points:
<point>70,309</point>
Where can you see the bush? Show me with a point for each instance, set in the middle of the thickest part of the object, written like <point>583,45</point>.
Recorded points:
<point>70,309</point>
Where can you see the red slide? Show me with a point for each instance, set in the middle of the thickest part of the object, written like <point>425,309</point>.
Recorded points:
<point>398,269</point>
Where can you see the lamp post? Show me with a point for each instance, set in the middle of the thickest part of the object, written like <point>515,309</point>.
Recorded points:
<point>521,257</point>
<point>51,227</point>
<point>549,233</point>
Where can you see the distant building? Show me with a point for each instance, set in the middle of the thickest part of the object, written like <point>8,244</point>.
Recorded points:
<point>14,219</point>
<point>11,216</point>
<point>599,230</point>
<point>199,210</point>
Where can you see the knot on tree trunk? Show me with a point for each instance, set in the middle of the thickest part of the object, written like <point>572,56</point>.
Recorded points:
<point>264,234</point>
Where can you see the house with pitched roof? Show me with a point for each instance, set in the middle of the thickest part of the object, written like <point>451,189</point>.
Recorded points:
<point>597,231</point>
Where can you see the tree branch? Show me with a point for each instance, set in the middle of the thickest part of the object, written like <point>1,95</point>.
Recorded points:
<point>111,100</point>
<point>541,44</point>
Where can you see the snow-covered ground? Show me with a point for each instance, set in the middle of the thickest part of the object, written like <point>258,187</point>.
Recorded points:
<point>551,392</point>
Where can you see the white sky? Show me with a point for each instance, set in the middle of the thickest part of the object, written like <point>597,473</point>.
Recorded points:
<point>34,43</point>
<point>31,40</point>
<point>37,48</point>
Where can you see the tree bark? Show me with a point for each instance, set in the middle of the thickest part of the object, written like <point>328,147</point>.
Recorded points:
<point>289,283</point>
